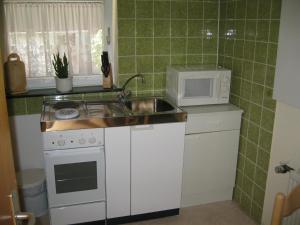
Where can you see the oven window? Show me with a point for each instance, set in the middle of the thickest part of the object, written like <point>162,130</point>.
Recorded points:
<point>75,177</point>
<point>198,87</point>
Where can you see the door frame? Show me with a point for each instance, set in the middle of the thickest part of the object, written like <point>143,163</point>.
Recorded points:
<point>7,175</point>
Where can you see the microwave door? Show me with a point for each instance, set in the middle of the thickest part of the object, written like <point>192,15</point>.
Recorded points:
<point>198,88</point>
<point>198,91</point>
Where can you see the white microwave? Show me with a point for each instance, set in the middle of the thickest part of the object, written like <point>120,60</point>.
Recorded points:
<point>198,85</point>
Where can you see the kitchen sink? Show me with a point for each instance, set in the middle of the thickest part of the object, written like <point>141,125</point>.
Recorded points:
<point>105,109</point>
<point>110,113</point>
<point>153,105</point>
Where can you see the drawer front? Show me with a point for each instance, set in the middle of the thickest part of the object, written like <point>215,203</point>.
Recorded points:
<point>78,213</point>
<point>200,123</point>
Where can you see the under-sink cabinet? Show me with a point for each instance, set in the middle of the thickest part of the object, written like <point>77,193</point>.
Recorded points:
<point>144,168</point>
<point>117,154</point>
<point>156,167</point>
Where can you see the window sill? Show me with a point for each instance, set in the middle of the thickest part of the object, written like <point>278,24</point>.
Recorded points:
<point>53,92</point>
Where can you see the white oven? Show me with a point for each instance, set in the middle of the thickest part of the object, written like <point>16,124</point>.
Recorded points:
<point>75,175</point>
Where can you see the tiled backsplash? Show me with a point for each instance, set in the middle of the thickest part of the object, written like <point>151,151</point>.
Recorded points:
<point>248,45</point>
<point>156,33</point>
<point>33,105</point>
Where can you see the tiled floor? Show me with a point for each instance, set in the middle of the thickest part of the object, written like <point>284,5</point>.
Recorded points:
<point>220,213</point>
<point>43,220</point>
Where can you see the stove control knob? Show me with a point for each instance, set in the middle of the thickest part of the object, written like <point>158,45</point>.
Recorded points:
<point>92,140</point>
<point>81,141</point>
<point>61,142</point>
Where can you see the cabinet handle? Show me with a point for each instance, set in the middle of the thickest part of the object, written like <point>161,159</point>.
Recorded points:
<point>143,127</point>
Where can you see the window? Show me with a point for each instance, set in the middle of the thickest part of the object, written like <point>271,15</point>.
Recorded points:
<point>38,29</point>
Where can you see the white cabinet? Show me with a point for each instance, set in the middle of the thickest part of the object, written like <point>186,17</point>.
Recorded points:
<point>209,167</point>
<point>210,155</point>
<point>143,168</point>
<point>117,150</point>
<point>156,167</point>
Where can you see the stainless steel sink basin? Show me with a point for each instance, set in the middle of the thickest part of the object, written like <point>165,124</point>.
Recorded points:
<point>105,109</point>
<point>114,113</point>
<point>153,105</point>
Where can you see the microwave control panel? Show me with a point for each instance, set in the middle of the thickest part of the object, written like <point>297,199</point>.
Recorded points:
<point>225,86</point>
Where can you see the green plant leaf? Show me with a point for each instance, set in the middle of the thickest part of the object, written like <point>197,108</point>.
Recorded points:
<point>60,66</point>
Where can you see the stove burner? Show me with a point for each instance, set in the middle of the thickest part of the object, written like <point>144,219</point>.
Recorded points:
<point>66,113</point>
<point>65,104</point>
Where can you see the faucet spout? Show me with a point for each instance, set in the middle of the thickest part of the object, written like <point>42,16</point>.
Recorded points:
<point>124,94</point>
<point>137,75</point>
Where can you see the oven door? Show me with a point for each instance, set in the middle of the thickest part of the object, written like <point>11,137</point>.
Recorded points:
<point>75,176</point>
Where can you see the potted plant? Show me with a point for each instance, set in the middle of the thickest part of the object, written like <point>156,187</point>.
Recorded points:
<point>64,82</point>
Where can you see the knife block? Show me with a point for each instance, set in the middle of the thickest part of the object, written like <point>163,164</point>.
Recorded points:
<point>108,81</point>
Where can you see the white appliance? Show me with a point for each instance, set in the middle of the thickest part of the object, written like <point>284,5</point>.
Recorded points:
<point>210,154</point>
<point>198,85</point>
<point>75,175</point>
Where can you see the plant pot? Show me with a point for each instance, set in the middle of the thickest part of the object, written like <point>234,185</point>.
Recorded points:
<point>64,85</point>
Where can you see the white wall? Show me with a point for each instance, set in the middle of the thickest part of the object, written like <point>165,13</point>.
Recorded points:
<point>286,138</point>
<point>27,141</point>
<point>287,79</point>
<point>285,148</point>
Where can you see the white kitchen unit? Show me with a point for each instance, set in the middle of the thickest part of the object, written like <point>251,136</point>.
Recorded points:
<point>128,171</point>
<point>210,155</point>
<point>75,175</point>
<point>156,167</point>
<point>117,145</point>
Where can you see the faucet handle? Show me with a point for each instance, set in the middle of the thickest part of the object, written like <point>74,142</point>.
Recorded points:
<point>142,77</point>
<point>122,96</point>
<point>127,93</point>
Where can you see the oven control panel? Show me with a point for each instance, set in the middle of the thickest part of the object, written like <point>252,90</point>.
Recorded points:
<point>83,138</point>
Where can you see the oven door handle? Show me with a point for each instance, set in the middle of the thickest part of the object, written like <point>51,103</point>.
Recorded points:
<point>73,152</point>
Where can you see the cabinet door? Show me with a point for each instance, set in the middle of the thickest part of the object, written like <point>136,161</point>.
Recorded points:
<point>156,167</point>
<point>209,167</point>
<point>117,151</point>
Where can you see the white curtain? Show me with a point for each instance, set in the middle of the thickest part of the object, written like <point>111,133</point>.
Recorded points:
<point>38,30</point>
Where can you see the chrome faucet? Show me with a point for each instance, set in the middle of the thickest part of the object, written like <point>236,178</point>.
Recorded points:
<point>123,95</point>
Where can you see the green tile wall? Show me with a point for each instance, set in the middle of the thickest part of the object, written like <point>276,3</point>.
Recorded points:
<point>33,105</point>
<point>151,35</point>
<point>156,33</point>
<point>248,45</point>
